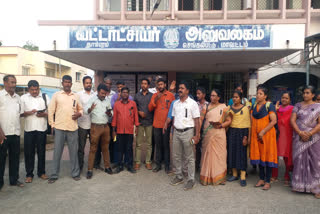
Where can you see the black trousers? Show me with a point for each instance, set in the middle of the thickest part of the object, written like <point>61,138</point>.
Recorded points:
<point>265,173</point>
<point>198,154</point>
<point>97,159</point>
<point>83,134</point>
<point>33,140</point>
<point>12,145</point>
<point>125,150</point>
<point>162,146</point>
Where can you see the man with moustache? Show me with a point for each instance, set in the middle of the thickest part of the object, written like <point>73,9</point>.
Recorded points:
<point>100,111</point>
<point>84,122</point>
<point>10,105</point>
<point>160,104</point>
<point>186,134</point>
<point>66,108</point>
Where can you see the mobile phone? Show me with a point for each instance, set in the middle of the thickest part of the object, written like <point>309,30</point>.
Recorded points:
<point>192,142</point>
<point>40,111</point>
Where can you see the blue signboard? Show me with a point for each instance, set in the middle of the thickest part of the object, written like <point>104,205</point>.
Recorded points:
<point>186,37</point>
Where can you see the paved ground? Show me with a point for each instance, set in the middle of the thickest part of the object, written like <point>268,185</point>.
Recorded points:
<point>146,192</point>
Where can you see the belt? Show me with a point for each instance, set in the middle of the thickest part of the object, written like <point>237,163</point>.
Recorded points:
<point>95,124</point>
<point>183,130</point>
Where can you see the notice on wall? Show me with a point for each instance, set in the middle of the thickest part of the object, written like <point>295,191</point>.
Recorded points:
<point>184,37</point>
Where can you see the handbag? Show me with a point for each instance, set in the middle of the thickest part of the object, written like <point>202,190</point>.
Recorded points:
<point>45,103</point>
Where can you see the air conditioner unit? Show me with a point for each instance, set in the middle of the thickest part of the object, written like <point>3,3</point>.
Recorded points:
<point>247,4</point>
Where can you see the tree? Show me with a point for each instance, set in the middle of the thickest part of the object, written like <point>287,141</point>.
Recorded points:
<point>30,46</point>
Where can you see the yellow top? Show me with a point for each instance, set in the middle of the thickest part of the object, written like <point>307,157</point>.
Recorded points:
<point>240,117</point>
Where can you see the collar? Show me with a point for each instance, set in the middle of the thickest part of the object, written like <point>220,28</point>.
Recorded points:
<point>186,101</point>
<point>84,92</point>
<point>125,103</point>
<point>148,92</point>
<point>39,95</point>
<point>63,92</point>
<point>6,93</point>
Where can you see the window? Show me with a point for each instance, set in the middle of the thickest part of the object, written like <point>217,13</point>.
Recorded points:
<point>25,70</point>
<point>50,72</point>
<point>78,76</point>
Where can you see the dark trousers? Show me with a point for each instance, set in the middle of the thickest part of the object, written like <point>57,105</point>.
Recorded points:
<point>153,145</point>
<point>33,140</point>
<point>82,133</point>
<point>265,173</point>
<point>124,149</point>
<point>12,145</point>
<point>198,154</point>
<point>162,146</point>
<point>97,159</point>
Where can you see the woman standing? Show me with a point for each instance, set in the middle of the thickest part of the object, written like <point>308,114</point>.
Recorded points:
<point>237,139</point>
<point>305,121</point>
<point>263,148</point>
<point>284,142</point>
<point>214,149</point>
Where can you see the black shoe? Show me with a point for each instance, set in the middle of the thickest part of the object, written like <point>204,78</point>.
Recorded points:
<point>77,178</point>
<point>132,170</point>
<point>1,185</point>
<point>108,170</point>
<point>89,174</point>
<point>157,169</point>
<point>118,170</point>
<point>52,180</point>
<point>232,178</point>
<point>243,183</point>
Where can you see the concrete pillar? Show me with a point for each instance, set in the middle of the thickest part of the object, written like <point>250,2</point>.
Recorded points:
<point>252,83</point>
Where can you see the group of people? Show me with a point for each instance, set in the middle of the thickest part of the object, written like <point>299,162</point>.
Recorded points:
<point>206,136</point>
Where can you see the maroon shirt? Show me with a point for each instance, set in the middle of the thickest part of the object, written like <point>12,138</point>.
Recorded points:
<point>125,116</point>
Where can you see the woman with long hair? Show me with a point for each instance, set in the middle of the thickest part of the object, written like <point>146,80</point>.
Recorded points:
<point>263,148</point>
<point>305,121</point>
<point>214,148</point>
<point>284,141</point>
<point>238,138</point>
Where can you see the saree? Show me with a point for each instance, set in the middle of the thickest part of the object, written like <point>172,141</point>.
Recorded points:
<point>214,149</point>
<point>306,155</point>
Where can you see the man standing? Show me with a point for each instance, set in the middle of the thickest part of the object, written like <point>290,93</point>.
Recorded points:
<point>116,97</point>
<point>84,122</point>
<point>202,103</point>
<point>66,108</point>
<point>186,133</point>
<point>125,116</point>
<point>100,111</point>
<point>142,100</point>
<point>97,160</point>
<point>10,130</point>
<point>34,109</point>
<point>160,104</point>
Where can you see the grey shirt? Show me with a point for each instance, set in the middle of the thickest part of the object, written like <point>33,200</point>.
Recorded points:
<point>142,102</point>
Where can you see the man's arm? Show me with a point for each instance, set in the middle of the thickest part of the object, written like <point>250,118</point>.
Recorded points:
<point>51,110</point>
<point>152,104</point>
<point>2,136</point>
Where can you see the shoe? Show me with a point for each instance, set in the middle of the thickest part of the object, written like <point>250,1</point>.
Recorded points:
<point>118,170</point>
<point>52,180</point>
<point>77,178</point>
<point>108,171</point>
<point>28,180</point>
<point>317,196</point>
<point>157,169</point>
<point>137,166</point>
<point>1,185</point>
<point>44,177</point>
<point>176,181</point>
<point>243,183</point>
<point>99,167</point>
<point>18,184</point>
<point>89,174</point>
<point>189,185</point>
<point>132,170</point>
<point>232,178</point>
<point>149,166</point>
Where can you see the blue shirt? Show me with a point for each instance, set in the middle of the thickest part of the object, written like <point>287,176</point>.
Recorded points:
<point>170,110</point>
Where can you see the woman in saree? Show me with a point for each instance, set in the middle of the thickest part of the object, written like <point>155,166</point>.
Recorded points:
<point>305,121</point>
<point>214,148</point>
<point>237,139</point>
<point>263,148</point>
<point>284,141</point>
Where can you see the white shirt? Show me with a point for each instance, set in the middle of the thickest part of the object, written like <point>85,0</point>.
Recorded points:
<point>184,113</point>
<point>32,122</point>
<point>108,98</point>
<point>84,121</point>
<point>10,113</point>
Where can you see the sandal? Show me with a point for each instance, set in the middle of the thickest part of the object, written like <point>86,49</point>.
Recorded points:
<point>286,183</point>
<point>18,184</point>
<point>28,180</point>
<point>274,180</point>
<point>317,196</point>
<point>260,183</point>
<point>266,187</point>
